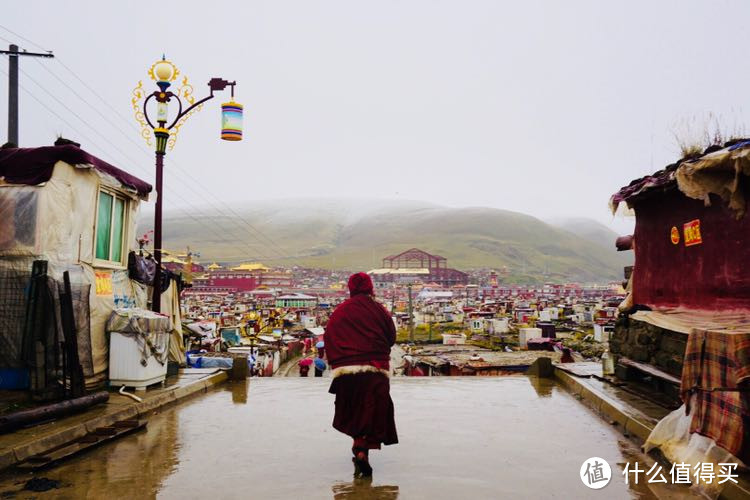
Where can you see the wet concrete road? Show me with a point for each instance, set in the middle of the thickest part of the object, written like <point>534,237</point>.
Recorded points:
<point>464,437</point>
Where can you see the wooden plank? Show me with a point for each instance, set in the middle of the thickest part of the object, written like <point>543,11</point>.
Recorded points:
<point>88,438</point>
<point>650,370</point>
<point>59,453</point>
<point>100,435</point>
<point>105,431</point>
<point>127,424</point>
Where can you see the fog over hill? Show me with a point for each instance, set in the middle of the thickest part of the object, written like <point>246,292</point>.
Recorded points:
<point>588,229</point>
<point>356,235</point>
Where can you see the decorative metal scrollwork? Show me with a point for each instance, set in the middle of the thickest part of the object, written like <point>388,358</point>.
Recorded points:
<point>139,95</point>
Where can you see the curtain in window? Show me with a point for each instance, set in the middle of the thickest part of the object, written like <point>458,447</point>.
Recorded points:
<point>103,226</point>
<point>117,222</point>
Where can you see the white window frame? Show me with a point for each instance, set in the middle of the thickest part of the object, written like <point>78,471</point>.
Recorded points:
<point>121,264</point>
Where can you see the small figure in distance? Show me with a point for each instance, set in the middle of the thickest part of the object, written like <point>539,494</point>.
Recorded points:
<point>304,366</point>
<point>567,357</point>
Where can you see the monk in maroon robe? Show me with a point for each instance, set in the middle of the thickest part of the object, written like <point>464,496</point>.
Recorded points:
<point>358,340</point>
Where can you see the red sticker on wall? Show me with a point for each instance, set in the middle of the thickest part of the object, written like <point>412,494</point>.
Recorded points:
<point>675,235</point>
<point>692,233</point>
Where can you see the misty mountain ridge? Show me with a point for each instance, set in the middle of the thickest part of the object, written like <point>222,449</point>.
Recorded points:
<point>356,234</point>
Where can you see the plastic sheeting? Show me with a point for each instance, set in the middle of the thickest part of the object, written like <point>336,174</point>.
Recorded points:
<point>717,173</point>
<point>14,282</point>
<point>15,277</point>
<point>135,320</point>
<point>672,436</point>
<point>170,306</point>
<point>18,215</point>
<point>685,321</point>
<point>55,222</point>
<point>198,361</point>
<point>149,329</point>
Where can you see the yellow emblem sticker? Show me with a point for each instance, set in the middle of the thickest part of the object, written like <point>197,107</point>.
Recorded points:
<point>675,235</point>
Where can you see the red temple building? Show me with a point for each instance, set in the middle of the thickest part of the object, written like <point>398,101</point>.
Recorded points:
<point>417,265</point>
<point>243,278</point>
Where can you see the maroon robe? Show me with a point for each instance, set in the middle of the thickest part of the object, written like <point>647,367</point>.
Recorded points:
<point>359,335</point>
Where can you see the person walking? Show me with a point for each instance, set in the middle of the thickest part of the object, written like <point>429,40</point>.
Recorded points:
<point>358,340</point>
<point>304,366</point>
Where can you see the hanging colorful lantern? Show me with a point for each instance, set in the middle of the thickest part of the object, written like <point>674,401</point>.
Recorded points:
<point>231,121</point>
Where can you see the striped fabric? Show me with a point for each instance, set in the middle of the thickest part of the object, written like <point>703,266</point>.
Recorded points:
<point>716,369</point>
<point>231,121</point>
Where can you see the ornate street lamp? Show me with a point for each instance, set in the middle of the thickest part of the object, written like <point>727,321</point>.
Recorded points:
<point>164,72</point>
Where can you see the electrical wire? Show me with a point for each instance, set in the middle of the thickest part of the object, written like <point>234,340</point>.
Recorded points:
<point>24,39</point>
<point>88,139</point>
<point>188,214</point>
<point>104,138</point>
<point>275,246</point>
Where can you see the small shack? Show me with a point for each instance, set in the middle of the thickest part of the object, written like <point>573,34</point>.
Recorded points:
<point>686,319</point>
<point>75,213</point>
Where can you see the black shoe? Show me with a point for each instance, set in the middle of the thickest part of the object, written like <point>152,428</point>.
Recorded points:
<point>362,466</point>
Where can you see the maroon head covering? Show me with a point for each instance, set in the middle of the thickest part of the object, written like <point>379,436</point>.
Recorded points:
<point>360,283</point>
<point>360,331</point>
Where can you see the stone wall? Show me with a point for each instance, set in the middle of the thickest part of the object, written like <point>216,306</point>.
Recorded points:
<point>646,343</point>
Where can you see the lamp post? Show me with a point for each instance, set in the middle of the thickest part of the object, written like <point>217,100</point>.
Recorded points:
<point>164,72</point>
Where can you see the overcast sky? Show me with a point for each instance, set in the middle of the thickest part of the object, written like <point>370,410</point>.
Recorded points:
<point>545,108</point>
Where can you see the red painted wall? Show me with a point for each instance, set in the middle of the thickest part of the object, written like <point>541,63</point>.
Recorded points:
<point>713,275</point>
<point>244,284</point>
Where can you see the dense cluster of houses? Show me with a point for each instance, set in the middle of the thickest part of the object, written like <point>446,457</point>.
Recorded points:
<point>492,317</point>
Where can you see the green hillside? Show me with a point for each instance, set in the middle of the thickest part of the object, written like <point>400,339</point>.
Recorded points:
<point>348,235</point>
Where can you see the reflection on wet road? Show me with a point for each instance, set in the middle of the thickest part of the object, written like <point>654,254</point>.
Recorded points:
<point>463,437</point>
<point>363,489</point>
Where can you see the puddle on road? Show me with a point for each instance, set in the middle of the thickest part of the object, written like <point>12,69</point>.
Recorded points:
<point>462,437</point>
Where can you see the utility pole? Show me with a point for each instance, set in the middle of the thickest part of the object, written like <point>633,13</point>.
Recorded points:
<point>411,315</point>
<point>13,54</point>
<point>432,318</point>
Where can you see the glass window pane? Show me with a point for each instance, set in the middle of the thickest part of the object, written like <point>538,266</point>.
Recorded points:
<point>103,226</point>
<point>118,222</point>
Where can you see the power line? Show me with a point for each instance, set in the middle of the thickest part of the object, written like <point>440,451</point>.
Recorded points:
<point>90,89</point>
<point>275,247</point>
<point>81,134</point>
<point>24,38</point>
<point>98,146</point>
<point>55,98</point>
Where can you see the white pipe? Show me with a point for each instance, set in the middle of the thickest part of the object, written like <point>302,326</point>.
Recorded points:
<point>133,396</point>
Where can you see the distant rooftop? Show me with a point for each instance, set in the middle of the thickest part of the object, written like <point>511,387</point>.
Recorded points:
<point>250,266</point>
